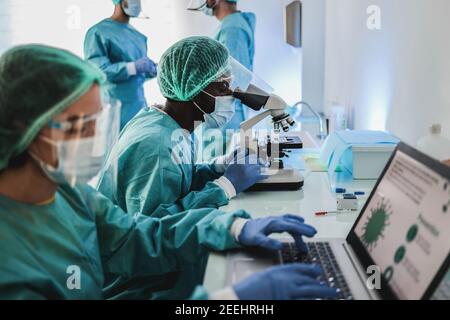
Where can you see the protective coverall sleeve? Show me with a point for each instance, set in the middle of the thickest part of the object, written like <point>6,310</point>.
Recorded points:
<point>202,174</point>
<point>237,42</point>
<point>96,51</point>
<point>157,180</point>
<point>211,196</point>
<point>149,182</point>
<point>143,246</point>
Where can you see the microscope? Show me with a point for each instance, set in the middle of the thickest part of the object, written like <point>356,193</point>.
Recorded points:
<point>269,145</point>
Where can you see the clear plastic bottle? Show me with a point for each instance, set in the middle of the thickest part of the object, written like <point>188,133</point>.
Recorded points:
<point>434,144</point>
<point>339,117</point>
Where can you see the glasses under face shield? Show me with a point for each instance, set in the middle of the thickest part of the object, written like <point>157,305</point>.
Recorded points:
<point>81,144</point>
<point>224,83</point>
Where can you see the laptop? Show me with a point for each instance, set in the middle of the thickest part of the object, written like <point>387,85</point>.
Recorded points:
<point>399,246</point>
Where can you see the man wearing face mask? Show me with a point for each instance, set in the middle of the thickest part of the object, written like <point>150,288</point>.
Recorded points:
<point>236,33</point>
<point>155,150</point>
<point>119,50</point>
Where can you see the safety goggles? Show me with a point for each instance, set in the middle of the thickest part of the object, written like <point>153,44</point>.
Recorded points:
<point>224,85</point>
<point>227,81</point>
<point>100,129</point>
<point>81,144</point>
<point>87,125</point>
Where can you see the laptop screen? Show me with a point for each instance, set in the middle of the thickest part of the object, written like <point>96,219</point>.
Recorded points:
<point>405,226</point>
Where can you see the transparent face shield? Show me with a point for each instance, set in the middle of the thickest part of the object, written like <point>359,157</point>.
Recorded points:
<point>81,144</point>
<point>197,5</point>
<point>256,94</point>
<point>248,87</point>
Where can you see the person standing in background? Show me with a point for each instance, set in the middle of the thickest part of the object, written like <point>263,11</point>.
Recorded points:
<point>237,34</point>
<point>120,51</point>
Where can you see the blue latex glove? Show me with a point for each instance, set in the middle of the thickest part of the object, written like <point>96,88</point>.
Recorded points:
<point>221,163</point>
<point>245,173</point>
<point>147,66</point>
<point>256,232</point>
<point>153,70</point>
<point>285,282</point>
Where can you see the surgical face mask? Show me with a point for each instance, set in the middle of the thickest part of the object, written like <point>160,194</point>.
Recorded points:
<point>78,160</point>
<point>197,5</point>
<point>134,8</point>
<point>224,109</point>
<point>81,145</point>
<point>207,11</point>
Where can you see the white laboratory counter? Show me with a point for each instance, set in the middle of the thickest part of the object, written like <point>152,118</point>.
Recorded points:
<point>316,195</point>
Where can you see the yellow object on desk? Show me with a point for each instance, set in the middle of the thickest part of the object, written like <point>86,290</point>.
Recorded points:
<point>313,163</point>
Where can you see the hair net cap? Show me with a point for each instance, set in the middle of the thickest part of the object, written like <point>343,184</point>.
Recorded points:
<point>37,83</point>
<point>116,1</point>
<point>190,65</point>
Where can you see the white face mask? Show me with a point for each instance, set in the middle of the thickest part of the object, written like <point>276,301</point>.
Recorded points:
<point>78,160</point>
<point>224,109</point>
<point>207,11</point>
<point>134,8</point>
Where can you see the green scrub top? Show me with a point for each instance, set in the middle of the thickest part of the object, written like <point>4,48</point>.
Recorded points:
<point>68,249</point>
<point>111,45</point>
<point>155,166</point>
<point>237,33</point>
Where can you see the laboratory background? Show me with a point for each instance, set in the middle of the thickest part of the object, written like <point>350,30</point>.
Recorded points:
<point>337,171</point>
<point>394,76</point>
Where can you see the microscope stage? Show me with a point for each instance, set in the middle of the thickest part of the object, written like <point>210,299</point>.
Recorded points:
<point>280,180</point>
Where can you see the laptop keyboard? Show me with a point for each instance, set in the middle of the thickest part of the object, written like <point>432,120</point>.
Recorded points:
<point>322,254</point>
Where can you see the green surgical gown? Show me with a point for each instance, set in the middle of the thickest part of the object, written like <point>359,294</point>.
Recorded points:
<point>111,45</point>
<point>152,165</point>
<point>237,33</point>
<point>69,248</point>
<point>154,159</point>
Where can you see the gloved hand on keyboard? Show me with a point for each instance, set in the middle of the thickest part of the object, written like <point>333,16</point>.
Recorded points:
<point>285,282</point>
<point>255,232</point>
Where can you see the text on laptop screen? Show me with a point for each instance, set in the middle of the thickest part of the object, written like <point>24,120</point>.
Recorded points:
<point>406,226</point>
